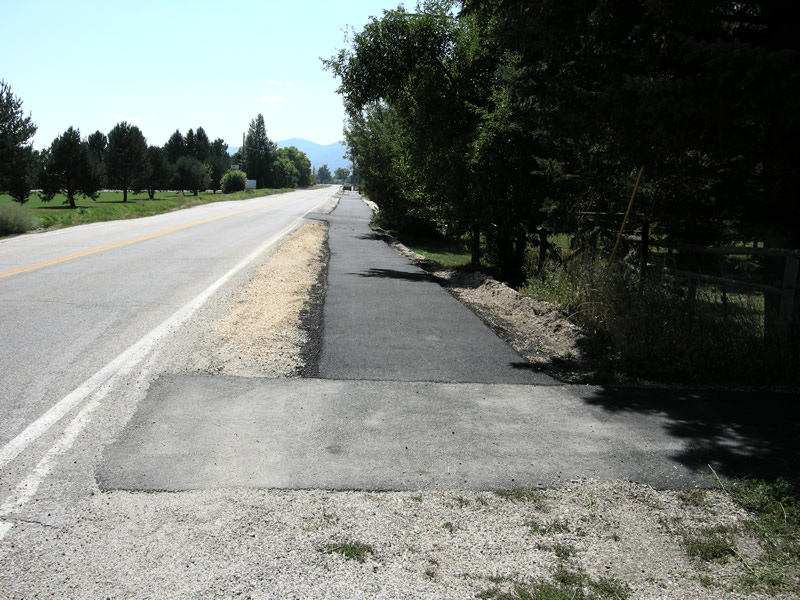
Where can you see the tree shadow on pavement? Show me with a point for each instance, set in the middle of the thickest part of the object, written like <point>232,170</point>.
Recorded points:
<point>739,434</point>
<point>394,274</point>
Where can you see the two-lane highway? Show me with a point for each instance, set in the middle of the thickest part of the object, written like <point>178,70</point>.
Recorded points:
<point>73,301</point>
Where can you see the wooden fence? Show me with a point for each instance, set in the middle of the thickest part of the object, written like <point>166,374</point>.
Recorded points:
<point>786,290</point>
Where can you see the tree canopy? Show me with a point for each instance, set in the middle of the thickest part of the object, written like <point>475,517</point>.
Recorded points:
<point>259,153</point>
<point>68,169</point>
<point>510,118</point>
<point>127,157</point>
<point>16,154</point>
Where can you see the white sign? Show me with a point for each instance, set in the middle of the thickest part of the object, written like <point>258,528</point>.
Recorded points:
<point>251,184</point>
<point>234,167</point>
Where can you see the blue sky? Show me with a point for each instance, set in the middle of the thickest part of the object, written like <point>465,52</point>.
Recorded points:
<point>165,65</point>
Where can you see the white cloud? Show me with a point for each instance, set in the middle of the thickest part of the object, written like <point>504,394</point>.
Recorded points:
<point>275,83</point>
<point>271,99</point>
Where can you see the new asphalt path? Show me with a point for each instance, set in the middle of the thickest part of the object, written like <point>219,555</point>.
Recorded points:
<point>410,390</point>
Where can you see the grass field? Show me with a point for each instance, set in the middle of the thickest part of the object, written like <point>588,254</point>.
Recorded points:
<point>110,207</point>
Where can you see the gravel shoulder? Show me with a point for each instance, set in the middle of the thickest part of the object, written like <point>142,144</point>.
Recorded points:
<point>609,539</point>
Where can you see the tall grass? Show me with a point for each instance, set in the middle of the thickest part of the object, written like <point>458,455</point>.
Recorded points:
<point>15,218</point>
<point>655,330</point>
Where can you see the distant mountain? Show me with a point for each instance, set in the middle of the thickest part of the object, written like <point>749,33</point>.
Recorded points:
<point>331,154</point>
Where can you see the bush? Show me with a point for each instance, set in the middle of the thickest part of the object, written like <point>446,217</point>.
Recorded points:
<point>233,181</point>
<point>15,218</point>
<point>655,330</point>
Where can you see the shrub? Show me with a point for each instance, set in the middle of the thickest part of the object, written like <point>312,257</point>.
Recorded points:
<point>654,329</point>
<point>233,181</point>
<point>15,218</point>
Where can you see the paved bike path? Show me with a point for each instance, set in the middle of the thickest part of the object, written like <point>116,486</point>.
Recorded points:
<point>385,319</point>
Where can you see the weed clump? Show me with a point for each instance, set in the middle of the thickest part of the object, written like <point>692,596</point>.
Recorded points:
<point>350,550</point>
<point>15,218</point>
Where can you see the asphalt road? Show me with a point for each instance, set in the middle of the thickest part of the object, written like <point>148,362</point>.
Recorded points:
<point>73,300</point>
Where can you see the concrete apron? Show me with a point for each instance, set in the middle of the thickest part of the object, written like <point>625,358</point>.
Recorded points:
<point>201,432</point>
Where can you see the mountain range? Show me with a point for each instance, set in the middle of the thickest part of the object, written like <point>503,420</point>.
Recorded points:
<point>319,154</point>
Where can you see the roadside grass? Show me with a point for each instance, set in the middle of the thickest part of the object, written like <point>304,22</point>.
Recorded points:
<point>15,219</point>
<point>566,585</point>
<point>110,207</point>
<point>656,330</point>
<point>535,497</point>
<point>448,252</point>
<point>710,544</point>
<point>775,506</point>
<point>350,550</point>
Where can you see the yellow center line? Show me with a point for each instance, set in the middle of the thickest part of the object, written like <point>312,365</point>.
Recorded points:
<point>149,236</point>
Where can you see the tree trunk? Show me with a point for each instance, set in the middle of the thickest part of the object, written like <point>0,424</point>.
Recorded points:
<point>476,245</point>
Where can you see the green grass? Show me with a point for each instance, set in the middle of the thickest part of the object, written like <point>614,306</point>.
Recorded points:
<point>110,207</point>
<point>350,550</point>
<point>711,544</point>
<point>447,252</point>
<point>775,507</point>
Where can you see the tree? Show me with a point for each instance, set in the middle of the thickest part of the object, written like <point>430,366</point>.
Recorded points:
<point>68,169</point>
<point>160,174</point>
<point>702,94</point>
<point>127,157</point>
<point>301,164</point>
<point>219,160</point>
<point>285,173</point>
<point>175,147</point>
<point>324,174</point>
<point>23,173</point>
<point>341,174</point>
<point>429,84</point>
<point>98,153</point>
<point>259,153</point>
<point>191,174</point>
<point>15,132</point>
<point>191,144</point>
<point>202,145</point>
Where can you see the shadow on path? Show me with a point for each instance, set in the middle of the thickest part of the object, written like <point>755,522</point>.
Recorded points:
<point>740,434</point>
<point>395,274</point>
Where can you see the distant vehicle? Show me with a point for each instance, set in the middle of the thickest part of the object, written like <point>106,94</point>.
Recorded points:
<point>347,187</point>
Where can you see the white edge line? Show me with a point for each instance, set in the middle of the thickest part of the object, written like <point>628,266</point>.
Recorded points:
<point>135,352</point>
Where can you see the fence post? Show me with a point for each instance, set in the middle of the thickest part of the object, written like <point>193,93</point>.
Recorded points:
<point>788,292</point>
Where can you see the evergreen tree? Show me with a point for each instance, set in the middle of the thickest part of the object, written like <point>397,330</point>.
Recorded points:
<point>175,147</point>
<point>68,169</point>
<point>127,158</point>
<point>259,153</point>
<point>15,154</point>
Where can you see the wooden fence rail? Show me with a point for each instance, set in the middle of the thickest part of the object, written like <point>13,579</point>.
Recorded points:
<point>787,290</point>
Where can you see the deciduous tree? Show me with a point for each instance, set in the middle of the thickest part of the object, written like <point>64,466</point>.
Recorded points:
<point>324,174</point>
<point>301,163</point>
